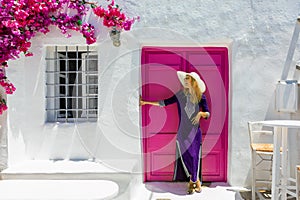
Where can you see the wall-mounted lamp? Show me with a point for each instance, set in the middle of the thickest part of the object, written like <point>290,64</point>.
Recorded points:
<point>115,36</point>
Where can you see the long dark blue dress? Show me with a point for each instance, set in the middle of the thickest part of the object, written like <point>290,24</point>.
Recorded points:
<point>189,137</point>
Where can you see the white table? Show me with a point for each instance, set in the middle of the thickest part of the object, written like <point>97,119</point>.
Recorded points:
<point>281,178</point>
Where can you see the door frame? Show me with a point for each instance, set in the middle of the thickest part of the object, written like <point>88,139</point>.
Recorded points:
<point>226,44</point>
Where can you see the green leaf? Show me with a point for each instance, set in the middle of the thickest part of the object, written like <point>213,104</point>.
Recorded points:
<point>79,22</point>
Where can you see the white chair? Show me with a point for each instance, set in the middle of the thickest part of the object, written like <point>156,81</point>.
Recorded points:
<point>261,144</point>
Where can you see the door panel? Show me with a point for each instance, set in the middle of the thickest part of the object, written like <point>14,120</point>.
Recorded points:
<point>159,124</point>
<point>161,156</point>
<point>211,165</point>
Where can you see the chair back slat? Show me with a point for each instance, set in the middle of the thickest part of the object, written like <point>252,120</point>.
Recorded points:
<point>260,136</point>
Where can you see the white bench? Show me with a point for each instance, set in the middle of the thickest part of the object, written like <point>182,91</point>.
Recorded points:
<point>57,189</point>
<point>119,171</point>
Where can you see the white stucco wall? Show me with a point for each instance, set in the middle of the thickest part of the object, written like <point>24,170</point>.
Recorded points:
<point>260,32</point>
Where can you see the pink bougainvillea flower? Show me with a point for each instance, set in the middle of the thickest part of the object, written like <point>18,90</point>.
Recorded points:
<point>127,25</point>
<point>27,54</point>
<point>25,46</point>
<point>99,11</point>
<point>90,40</point>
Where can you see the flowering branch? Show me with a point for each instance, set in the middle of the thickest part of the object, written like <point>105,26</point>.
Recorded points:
<point>113,17</point>
<point>3,106</point>
<point>8,87</point>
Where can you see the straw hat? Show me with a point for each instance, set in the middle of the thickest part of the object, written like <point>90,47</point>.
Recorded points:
<point>181,76</point>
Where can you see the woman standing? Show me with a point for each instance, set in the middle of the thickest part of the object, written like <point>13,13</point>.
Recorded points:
<point>192,106</point>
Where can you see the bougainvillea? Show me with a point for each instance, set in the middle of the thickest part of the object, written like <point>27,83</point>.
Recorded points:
<point>8,87</point>
<point>113,17</point>
<point>22,19</point>
<point>3,106</point>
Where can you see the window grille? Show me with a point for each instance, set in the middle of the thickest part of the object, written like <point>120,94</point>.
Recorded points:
<point>71,83</point>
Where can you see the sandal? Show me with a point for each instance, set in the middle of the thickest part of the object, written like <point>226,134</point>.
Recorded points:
<point>191,188</point>
<point>197,186</point>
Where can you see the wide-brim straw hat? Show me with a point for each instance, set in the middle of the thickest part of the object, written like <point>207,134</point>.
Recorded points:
<point>181,76</point>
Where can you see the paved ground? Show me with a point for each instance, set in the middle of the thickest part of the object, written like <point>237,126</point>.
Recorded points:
<point>37,188</point>
<point>177,191</point>
<point>100,189</point>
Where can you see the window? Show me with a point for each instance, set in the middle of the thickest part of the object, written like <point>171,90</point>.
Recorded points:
<point>71,83</point>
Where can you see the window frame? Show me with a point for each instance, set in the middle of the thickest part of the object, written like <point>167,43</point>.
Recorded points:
<point>76,107</point>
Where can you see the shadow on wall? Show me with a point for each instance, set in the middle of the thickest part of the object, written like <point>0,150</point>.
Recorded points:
<point>271,112</point>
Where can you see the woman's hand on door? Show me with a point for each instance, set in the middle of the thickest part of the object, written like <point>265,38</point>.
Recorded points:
<point>142,102</point>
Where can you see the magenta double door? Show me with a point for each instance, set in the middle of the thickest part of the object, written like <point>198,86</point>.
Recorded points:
<point>159,124</point>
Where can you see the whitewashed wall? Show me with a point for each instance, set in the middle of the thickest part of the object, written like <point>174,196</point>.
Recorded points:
<point>260,32</point>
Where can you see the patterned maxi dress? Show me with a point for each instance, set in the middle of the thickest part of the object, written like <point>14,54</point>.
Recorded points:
<point>189,137</point>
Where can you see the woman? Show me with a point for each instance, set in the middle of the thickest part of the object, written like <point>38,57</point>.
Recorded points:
<point>192,106</point>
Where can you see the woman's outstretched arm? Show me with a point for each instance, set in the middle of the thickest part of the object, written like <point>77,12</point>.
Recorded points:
<point>154,103</point>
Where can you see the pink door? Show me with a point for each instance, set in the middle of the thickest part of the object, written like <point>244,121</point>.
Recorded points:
<point>159,124</point>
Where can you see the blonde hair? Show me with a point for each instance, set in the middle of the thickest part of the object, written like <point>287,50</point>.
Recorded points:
<point>196,93</point>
